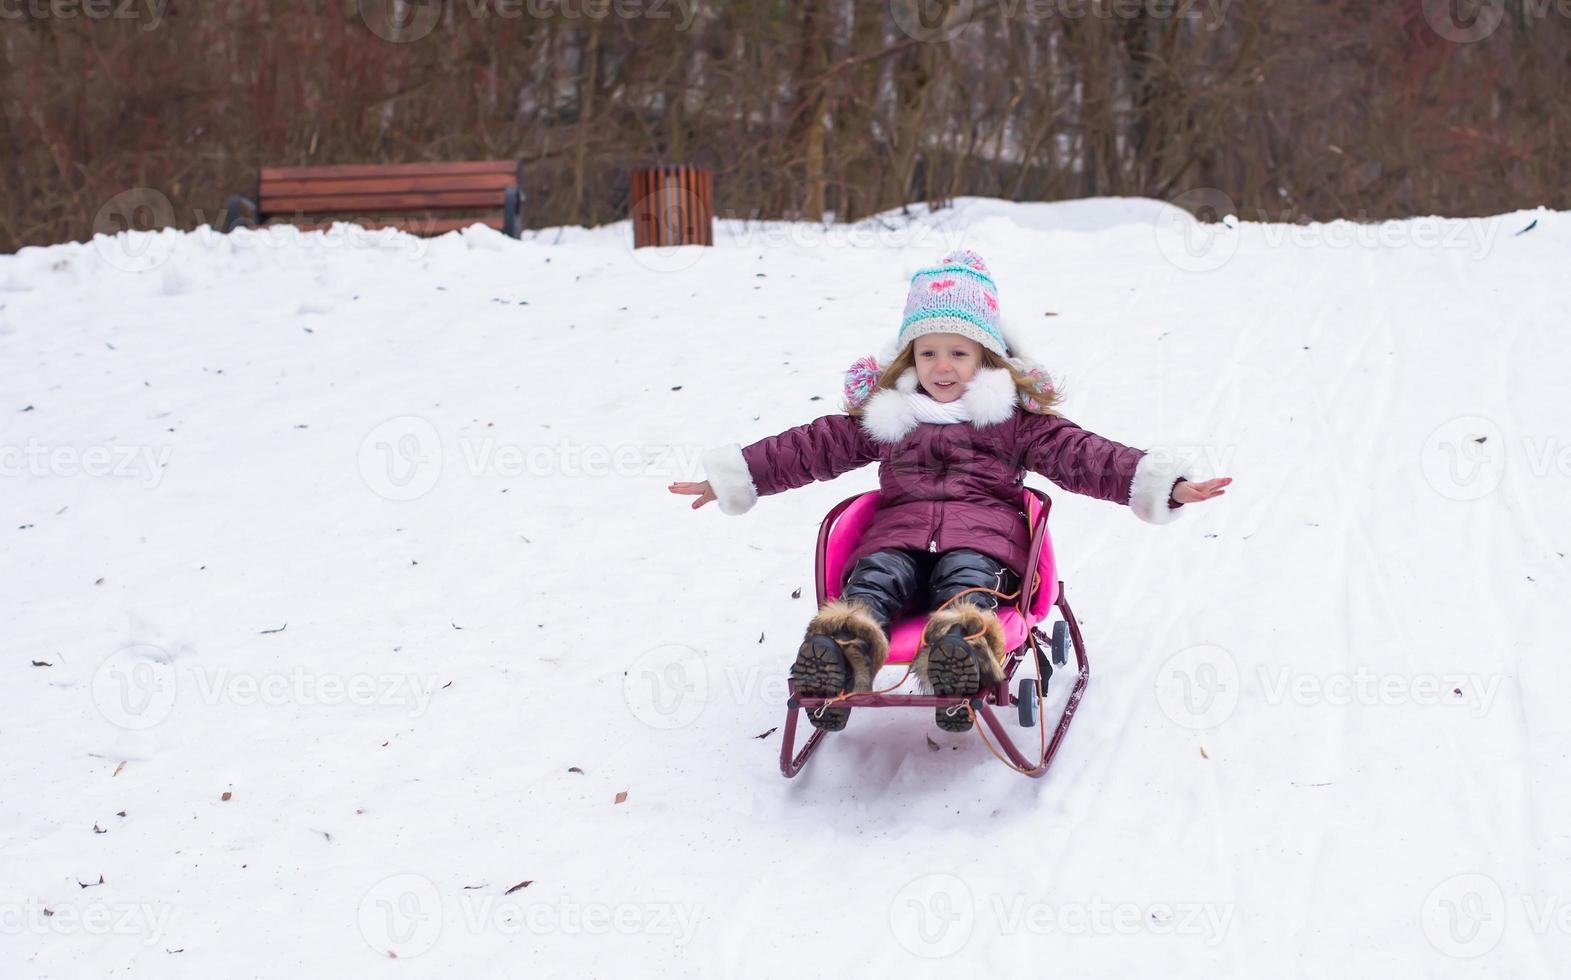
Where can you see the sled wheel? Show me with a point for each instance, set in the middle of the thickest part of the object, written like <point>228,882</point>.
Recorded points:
<point>1060,643</point>
<point>1025,700</point>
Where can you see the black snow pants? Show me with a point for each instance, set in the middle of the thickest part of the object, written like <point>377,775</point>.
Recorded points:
<point>901,580</point>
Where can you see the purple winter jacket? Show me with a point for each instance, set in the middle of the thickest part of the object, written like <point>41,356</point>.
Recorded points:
<point>948,486</point>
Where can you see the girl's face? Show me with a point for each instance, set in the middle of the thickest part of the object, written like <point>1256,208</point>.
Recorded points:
<point>945,362</point>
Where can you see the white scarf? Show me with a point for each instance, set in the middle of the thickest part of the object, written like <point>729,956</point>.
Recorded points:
<point>927,409</point>
<point>891,413</point>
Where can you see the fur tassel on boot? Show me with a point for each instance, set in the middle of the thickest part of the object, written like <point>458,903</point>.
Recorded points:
<point>949,664</point>
<point>843,650</point>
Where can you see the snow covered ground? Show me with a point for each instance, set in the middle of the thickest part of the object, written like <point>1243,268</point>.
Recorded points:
<point>343,597</point>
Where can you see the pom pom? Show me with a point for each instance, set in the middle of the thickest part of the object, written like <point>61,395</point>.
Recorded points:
<point>965,256</point>
<point>1040,383</point>
<point>861,378</point>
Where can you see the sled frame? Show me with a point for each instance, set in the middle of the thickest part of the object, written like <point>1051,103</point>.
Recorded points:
<point>982,703</point>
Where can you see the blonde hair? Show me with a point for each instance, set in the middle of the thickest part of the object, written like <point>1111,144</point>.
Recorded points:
<point>1041,402</point>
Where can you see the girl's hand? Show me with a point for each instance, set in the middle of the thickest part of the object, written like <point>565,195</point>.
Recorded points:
<point>703,490</point>
<point>1185,492</point>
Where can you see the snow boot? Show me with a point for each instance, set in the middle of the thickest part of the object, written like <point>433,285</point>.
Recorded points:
<point>842,651</point>
<point>949,663</point>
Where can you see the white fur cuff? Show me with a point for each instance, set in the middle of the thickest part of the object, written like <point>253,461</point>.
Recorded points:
<point>726,470</point>
<point>1149,491</point>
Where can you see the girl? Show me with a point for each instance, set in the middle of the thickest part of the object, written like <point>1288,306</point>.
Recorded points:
<point>954,420</point>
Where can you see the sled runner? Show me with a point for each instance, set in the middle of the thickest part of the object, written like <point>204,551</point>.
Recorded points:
<point>1040,592</point>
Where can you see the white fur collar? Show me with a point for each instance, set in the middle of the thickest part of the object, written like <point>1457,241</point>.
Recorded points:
<point>990,397</point>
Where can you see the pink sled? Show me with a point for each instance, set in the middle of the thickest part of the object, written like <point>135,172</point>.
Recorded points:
<point>838,537</point>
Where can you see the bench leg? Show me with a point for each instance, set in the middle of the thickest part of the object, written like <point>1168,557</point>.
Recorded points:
<point>238,203</point>
<point>511,202</point>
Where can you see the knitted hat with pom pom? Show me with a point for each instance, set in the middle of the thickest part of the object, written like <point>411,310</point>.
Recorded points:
<point>955,296</point>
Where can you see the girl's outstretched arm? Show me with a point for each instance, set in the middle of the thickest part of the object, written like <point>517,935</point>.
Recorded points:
<point>1152,484</point>
<point>820,450</point>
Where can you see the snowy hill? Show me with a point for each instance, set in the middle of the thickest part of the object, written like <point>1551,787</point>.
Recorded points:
<point>344,596</point>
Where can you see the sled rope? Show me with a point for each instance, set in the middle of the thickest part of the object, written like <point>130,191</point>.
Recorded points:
<point>1041,722</point>
<point>978,588</point>
<point>844,694</point>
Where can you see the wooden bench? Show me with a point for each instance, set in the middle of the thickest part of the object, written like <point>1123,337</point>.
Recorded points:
<point>352,192</point>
